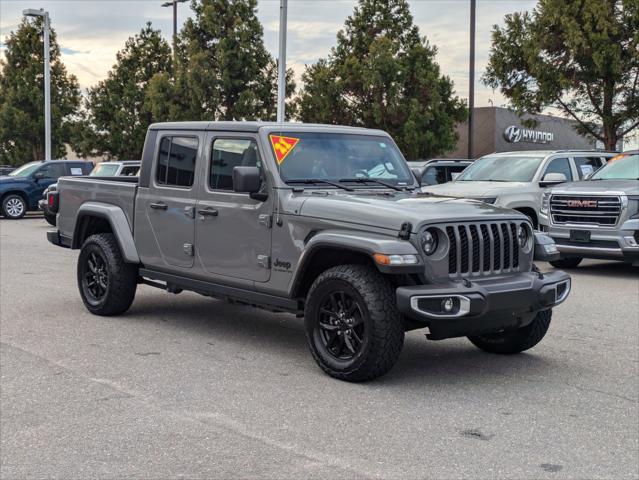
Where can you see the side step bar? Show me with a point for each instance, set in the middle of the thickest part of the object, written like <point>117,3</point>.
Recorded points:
<point>232,294</point>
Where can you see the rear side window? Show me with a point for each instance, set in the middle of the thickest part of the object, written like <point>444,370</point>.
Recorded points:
<point>559,165</point>
<point>588,165</point>
<point>130,171</point>
<point>455,171</point>
<point>176,161</point>
<point>53,169</point>
<point>229,153</point>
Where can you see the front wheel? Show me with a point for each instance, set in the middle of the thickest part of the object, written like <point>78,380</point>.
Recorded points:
<point>572,262</point>
<point>353,327</point>
<point>516,341</point>
<point>14,206</point>
<point>107,283</point>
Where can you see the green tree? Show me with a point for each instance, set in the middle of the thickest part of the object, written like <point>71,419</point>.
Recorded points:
<point>22,96</point>
<point>223,70</point>
<point>117,115</point>
<point>382,74</point>
<point>579,56</point>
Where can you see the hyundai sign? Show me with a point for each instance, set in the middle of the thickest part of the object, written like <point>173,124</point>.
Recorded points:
<point>515,134</point>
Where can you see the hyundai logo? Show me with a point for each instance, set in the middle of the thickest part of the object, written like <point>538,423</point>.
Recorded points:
<point>512,134</point>
<point>515,134</point>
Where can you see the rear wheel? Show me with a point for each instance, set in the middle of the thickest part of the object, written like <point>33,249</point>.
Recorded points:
<point>518,340</point>
<point>14,206</point>
<point>353,327</point>
<point>572,262</point>
<point>107,283</point>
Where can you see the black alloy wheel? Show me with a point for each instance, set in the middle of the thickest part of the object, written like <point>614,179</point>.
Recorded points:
<point>95,279</point>
<point>341,325</point>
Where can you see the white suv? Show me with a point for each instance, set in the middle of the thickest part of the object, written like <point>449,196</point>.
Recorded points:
<point>517,179</point>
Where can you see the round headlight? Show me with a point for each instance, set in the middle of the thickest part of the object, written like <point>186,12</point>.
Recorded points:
<point>522,236</point>
<point>429,242</point>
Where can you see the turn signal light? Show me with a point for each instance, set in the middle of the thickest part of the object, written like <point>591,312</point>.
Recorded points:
<point>383,259</point>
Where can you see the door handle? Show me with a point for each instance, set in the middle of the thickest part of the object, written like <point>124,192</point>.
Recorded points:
<point>208,212</point>
<point>159,206</point>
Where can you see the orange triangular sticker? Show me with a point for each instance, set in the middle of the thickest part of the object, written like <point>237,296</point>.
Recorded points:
<point>282,146</point>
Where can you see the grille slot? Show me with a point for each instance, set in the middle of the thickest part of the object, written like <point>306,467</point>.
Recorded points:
<point>482,249</point>
<point>585,209</point>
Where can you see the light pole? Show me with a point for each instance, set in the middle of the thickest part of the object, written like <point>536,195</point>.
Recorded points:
<point>471,81</point>
<point>31,12</point>
<point>281,75</point>
<point>173,3</point>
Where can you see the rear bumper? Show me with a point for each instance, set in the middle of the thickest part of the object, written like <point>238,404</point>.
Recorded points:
<point>484,306</point>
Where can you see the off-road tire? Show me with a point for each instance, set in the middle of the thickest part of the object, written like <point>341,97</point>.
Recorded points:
<point>571,262</point>
<point>122,276</point>
<point>51,218</point>
<point>508,343</point>
<point>384,332</point>
<point>9,209</point>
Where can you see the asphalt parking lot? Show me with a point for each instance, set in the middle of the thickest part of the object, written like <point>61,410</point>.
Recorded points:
<point>186,386</point>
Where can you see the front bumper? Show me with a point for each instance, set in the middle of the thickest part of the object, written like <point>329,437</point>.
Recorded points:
<point>616,243</point>
<point>484,305</point>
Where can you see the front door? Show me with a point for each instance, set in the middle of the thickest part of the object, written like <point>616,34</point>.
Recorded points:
<point>168,204</point>
<point>49,173</point>
<point>233,230</point>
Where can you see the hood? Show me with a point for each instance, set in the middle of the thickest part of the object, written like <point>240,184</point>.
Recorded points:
<point>474,189</point>
<point>7,179</point>
<point>391,211</point>
<point>629,187</point>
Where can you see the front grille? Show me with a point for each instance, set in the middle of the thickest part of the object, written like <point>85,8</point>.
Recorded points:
<point>585,209</point>
<point>482,249</point>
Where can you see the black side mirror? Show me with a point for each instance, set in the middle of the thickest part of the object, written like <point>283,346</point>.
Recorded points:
<point>418,172</point>
<point>246,179</point>
<point>38,176</point>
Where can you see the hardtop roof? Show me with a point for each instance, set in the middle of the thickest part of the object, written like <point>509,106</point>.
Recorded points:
<point>254,127</point>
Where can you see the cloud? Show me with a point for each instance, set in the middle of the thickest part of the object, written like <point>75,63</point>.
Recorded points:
<point>90,32</point>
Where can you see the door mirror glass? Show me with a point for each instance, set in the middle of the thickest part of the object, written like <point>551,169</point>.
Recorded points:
<point>246,179</point>
<point>553,178</point>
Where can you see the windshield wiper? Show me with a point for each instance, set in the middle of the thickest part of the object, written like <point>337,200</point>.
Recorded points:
<point>374,180</point>
<point>310,181</point>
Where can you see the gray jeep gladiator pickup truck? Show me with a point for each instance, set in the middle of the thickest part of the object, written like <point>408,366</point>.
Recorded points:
<point>325,222</point>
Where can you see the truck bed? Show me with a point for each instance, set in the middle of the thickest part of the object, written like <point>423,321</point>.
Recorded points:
<point>76,191</point>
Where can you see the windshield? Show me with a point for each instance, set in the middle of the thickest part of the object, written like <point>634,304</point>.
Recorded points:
<point>623,169</point>
<point>105,170</point>
<point>25,170</point>
<point>501,169</point>
<point>339,157</point>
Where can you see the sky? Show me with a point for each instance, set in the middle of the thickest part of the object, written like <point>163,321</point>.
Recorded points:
<point>90,32</point>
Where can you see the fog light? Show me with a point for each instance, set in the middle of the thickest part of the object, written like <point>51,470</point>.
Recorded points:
<point>448,304</point>
<point>632,241</point>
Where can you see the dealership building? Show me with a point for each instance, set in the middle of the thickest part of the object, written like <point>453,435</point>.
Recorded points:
<point>502,130</point>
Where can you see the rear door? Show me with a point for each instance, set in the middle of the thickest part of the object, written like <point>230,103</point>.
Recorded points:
<point>587,165</point>
<point>233,236</point>
<point>168,203</point>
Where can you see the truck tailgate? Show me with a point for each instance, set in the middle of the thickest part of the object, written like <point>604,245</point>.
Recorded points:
<point>76,191</point>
